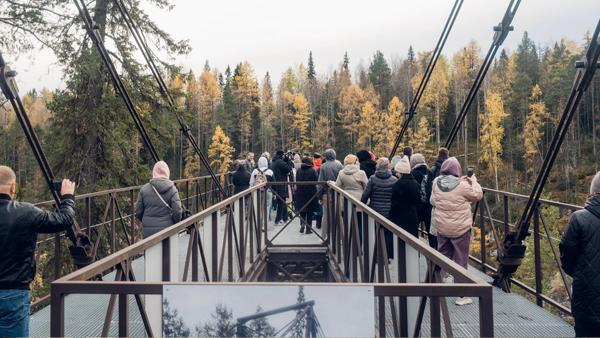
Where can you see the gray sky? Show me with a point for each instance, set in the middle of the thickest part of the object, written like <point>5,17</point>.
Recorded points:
<point>343,310</point>
<point>273,34</point>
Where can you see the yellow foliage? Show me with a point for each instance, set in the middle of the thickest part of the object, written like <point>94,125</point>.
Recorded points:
<point>220,151</point>
<point>322,133</point>
<point>492,132</point>
<point>351,100</point>
<point>302,116</point>
<point>422,137</point>
<point>533,133</point>
<point>369,126</point>
<point>393,123</point>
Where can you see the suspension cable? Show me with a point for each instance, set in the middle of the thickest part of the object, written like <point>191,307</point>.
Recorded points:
<point>80,248</point>
<point>514,248</point>
<point>410,113</point>
<point>92,30</point>
<point>147,54</point>
<point>501,32</point>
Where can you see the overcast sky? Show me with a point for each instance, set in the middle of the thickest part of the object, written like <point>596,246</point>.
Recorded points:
<point>274,34</point>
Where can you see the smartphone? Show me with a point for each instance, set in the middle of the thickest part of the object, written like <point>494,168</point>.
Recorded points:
<point>469,171</point>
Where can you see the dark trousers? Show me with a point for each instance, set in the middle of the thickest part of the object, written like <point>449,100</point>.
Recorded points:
<point>14,313</point>
<point>281,211</point>
<point>306,217</point>
<point>585,328</point>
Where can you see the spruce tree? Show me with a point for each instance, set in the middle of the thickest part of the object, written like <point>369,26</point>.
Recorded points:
<point>312,74</point>
<point>380,75</point>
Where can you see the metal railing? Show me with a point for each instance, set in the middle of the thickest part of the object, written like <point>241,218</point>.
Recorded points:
<point>494,218</point>
<point>108,218</point>
<point>229,242</point>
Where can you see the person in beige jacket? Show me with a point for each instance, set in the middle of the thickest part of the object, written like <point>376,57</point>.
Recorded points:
<point>451,197</point>
<point>351,178</point>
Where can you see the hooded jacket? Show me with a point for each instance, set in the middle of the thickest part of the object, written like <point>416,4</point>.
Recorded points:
<point>420,172</point>
<point>19,225</point>
<point>352,180</point>
<point>240,180</point>
<point>379,191</point>
<point>404,203</point>
<point>263,166</point>
<point>152,212</point>
<point>281,169</point>
<point>452,197</point>
<point>331,168</point>
<point>366,163</point>
<point>437,166</point>
<point>304,193</point>
<point>580,259</point>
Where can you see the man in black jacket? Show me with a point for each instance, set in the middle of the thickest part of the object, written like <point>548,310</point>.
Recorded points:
<point>19,225</point>
<point>281,167</point>
<point>580,259</point>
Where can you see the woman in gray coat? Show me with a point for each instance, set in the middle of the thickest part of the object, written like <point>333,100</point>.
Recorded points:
<point>158,205</point>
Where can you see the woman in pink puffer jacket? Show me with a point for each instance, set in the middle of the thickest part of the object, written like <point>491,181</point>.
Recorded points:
<point>451,197</point>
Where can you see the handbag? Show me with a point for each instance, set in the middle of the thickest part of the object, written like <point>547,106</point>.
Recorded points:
<point>185,213</point>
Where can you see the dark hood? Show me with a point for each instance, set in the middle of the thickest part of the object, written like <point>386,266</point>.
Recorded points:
<point>329,155</point>
<point>162,185</point>
<point>363,155</point>
<point>593,203</point>
<point>306,166</point>
<point>383,174</point>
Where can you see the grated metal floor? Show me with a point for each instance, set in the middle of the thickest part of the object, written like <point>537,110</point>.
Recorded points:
<point>514,316</point>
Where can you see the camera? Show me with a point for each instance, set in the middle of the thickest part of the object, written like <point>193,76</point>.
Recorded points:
<point>470,171</point>
<point>56,185</point>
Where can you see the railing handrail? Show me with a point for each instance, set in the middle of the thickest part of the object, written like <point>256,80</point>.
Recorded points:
<point>120,256</point>
<point>460,273</point>
<point>123,189</point>
<point>525,197</point>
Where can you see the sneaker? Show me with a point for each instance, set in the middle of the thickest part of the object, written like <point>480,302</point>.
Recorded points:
<point>463,301</point>
<point>448,279</point>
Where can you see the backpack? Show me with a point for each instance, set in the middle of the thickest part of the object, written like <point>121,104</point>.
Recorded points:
<point>260,177</point>
<point>424,189</point>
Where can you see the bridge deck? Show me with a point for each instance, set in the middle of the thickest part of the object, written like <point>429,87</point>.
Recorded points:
<point>514,316</point>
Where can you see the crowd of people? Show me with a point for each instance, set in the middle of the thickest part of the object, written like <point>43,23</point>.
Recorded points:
<point>405,190</point>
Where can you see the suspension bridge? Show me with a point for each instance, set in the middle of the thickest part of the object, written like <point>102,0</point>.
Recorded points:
<point>117,278</point>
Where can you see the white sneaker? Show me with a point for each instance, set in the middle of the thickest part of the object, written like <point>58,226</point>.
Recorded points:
<point>280,223</point>
<point>463,301</point>
<point>448,279</point>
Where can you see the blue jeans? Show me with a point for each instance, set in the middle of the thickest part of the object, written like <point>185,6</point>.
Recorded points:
<point>14,313</point>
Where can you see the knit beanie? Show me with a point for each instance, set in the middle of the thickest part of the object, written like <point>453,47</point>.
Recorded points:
<point>452,167</point>
<point>595,186</point>
<point>403,166</point>
<point>417,159</point>
<point>383,164</point>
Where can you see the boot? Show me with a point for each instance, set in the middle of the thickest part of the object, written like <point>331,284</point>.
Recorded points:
<point>308,230</point>
<point>302,230</point>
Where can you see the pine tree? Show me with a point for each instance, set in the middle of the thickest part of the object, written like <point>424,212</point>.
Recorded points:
<point>260,327</point>
<point>173,324</point>
<point>380,75</point>
<point>267,113</point>
<point>312,74</point>
<point>245,89</point>
<point>492,133</point>
<point>533,132</point>
<point>221,325</point>
<point>323,136</point>
<point>220,151</point>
